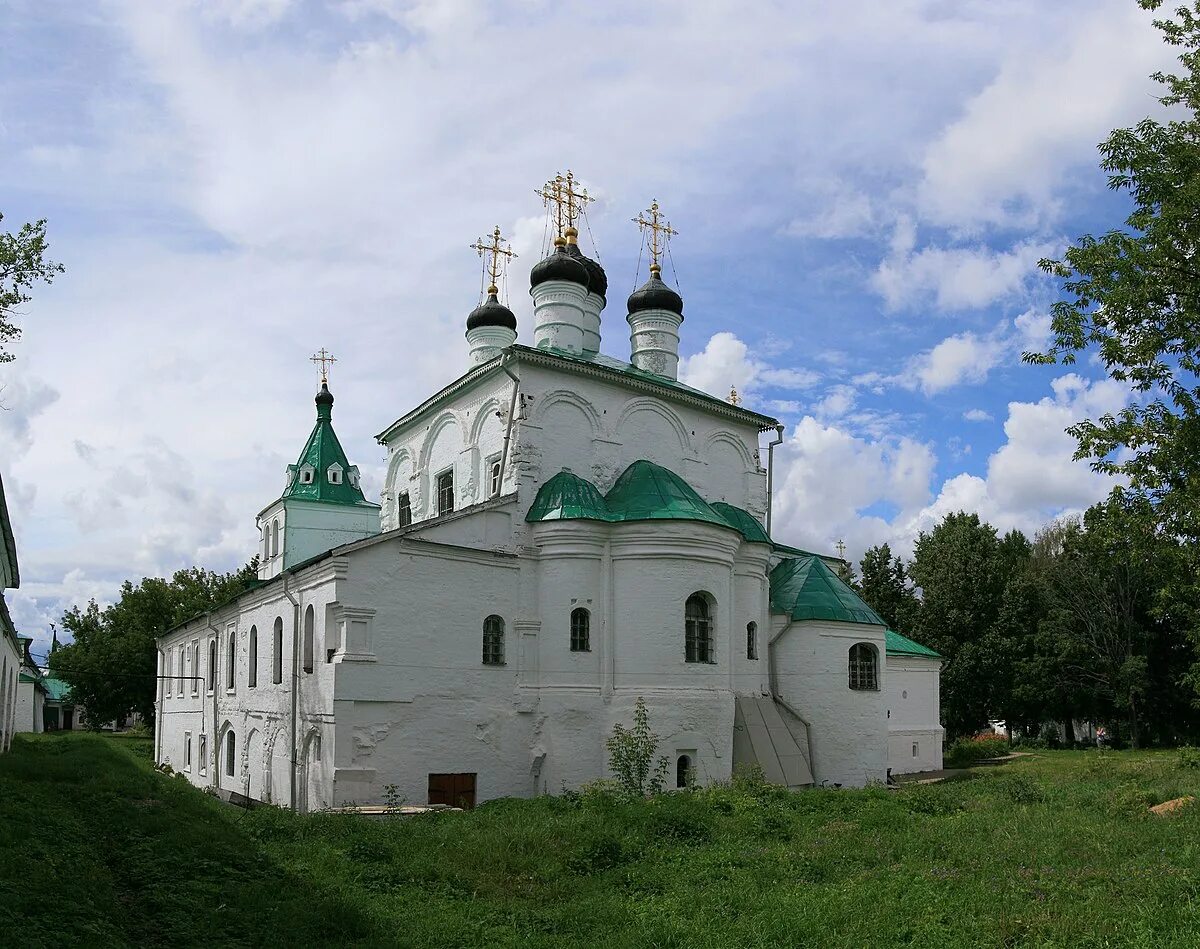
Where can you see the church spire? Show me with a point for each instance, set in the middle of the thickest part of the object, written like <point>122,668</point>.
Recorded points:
<point>322,472</point>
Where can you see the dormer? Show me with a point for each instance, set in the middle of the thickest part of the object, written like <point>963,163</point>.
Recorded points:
<point>322,505</point>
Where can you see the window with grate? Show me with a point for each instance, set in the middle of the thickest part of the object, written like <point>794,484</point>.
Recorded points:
<point>493,641</point>
<point>698,629</point>
<point>581,630</point>
<point>403,510</point>
<point>445,492</point>
<point>864,668</point>
<point>752,640</point>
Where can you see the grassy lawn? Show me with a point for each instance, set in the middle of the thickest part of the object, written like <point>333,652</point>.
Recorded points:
<point>1056,850</point>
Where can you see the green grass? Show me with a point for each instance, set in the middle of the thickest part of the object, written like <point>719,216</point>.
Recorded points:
<point>1056,850</point>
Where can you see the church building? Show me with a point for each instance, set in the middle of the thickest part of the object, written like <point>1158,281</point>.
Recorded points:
<point>561,533</point>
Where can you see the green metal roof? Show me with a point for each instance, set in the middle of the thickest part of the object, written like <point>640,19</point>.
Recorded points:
<point>57,690</point>
<point>644,492</point>
<point>322,451</point>
<point>807,588</point>
<point>898,645</point>
<point>10,575</point>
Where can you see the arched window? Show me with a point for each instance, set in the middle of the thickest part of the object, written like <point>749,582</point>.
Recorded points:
<point>277,652</point>
<point>493,641</point>
<point>179,684</point>
<point>752,640</point>
<point>275,537</point>
<point>212,665</point>
<point>195,674</point>
<point>683,772</point>
<point>864,668</point>
<point>698,629</point>
<point>581,630</point>
<point>253,657</point>
<point>403,510</point>
<point>308,638</point>
<point>230,664</point>
<point>230,754</point>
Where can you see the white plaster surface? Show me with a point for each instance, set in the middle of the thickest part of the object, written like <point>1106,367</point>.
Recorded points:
<point>913,700</point>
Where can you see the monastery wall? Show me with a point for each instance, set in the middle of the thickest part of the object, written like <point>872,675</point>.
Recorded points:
<point>911,690</point>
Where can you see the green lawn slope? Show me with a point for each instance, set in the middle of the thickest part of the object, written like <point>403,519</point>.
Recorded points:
<point>1057,850</point>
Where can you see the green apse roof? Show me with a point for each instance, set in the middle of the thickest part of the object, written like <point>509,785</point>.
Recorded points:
<point>322,451</point>
<point>57,690</point>
<point>898,645</point>
<point>644,492</point>
<point>806,588</point>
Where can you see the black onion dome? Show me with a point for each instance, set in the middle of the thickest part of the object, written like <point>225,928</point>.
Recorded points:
<point>597,278</point>
<point>491,313</point>
<point>324,397</point>
<point>560,265</point>
<point>655,295</point>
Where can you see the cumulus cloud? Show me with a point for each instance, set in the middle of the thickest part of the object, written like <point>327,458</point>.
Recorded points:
<point>726,361</point>
<point>978,415</point>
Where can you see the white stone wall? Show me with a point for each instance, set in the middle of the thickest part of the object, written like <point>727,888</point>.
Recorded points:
<point>30,704</point>
<point>847,728</point>
<point>914,708</point>
<point>10,660</point>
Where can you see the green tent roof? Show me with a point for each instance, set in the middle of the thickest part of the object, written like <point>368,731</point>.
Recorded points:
<point>898,645</point>
<point>57,690</point>
<point>644,492</point>
<point>322,451</point>
<point>806,588</point>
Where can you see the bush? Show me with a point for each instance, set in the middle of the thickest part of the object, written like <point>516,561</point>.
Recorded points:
<point>1189,758</point>
<point>966,751</point>
<point>631,756</point>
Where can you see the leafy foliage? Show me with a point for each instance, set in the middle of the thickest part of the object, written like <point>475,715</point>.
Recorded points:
<point>23,263</point>
<point>631,756</point>
<point>111,665</point>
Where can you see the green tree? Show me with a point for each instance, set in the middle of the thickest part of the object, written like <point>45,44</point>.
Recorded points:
<point>23,263</point>
<point>631,754</point>
<point>111,664</point>
<point>886,589</point>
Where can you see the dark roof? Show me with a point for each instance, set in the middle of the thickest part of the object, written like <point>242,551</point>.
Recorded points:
<point>560,265</point>
<point>655,295</point>
<point>491,313</point>
<point>597,278</point>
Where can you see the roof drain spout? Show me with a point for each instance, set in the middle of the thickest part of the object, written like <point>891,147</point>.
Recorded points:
<point>505,360</point>
<point>771,473</point>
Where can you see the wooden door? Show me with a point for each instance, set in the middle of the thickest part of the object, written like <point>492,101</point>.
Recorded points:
<point>456,790</point>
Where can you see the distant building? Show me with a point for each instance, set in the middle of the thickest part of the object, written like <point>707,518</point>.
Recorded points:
<point>915,732</point>
<point>561,533</point>
<point>31,692</point>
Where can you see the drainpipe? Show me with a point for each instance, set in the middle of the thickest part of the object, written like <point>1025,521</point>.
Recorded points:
<point>505,361</point>
<point>295,683</point>
<point>771,473</point>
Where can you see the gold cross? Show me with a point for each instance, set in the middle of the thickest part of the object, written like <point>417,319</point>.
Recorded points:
<point>568,203</point>
<point>657,225</point>
<point>841,549</point>
<point>325,360</point>
<point>734,398</point>
<point>497,250</point>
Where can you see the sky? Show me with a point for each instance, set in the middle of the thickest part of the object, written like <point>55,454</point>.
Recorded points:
<point>862,193</point>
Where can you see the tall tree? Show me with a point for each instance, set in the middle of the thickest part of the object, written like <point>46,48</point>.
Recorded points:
<point>23,263</point>
<point>886,589</point>
<point>111,664</point>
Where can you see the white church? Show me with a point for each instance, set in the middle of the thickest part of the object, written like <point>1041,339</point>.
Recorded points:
<point>561,533</point>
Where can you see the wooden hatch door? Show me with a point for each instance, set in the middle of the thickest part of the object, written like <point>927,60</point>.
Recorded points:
<point>456,790</point>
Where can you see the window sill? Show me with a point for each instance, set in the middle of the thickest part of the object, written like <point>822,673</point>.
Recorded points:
<point>494,665</point>
<point>231,691</point>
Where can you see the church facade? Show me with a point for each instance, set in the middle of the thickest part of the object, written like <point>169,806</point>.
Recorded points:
<point>561,533</point>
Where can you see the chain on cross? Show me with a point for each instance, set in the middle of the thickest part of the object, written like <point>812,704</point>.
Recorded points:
<point>324,359</point>
<point>568,202</point>
<point>497,248</point>
<point>661,233</point>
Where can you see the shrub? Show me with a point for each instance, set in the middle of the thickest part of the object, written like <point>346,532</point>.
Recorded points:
<point>631,756</point>
<point>966,751</point>
<point>1189,758</point>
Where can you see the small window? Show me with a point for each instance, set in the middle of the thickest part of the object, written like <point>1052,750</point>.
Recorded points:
<point>493,641</point>
<point>752,640</point>
<point>179,682</point>
<point>335,474</point>
<point>275,537</point>
<point>277,652</point>
<point>697,629</point>
<point>306,475</point>
<point>916,748</point>
<point>494,478</point>
<point>204,754</point>
<point>187,751</point>
<point>683,772</point>
<point>253,658</point>
<point>230,755</point>
<point>212,665</point>
<point>194,673</point>
<point>309,623</point>
<point>403,510</point>
<point>230,662</point>
<point>353,477</point>
<point>864,663</point>
<point>581,630</point>
<point>445,492</point>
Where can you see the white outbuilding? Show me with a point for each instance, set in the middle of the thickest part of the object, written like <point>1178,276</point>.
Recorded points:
<point>560,533</point>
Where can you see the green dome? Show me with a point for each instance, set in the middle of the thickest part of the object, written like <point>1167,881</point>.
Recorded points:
<point>646,491</point>
<point>806,588</point>
<point>568,497</point>
<point>742,521</point>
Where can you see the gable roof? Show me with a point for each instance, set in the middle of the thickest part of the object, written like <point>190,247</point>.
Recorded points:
<point>898,645</point>
<point>807,588</point>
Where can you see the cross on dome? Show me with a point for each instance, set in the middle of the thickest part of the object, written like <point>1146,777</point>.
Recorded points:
<point>496,250</point>
<point>325,360</point>
<point>657,225</point>
<point>568,202</point>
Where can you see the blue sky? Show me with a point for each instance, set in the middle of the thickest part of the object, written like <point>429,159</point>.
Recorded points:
<point>862,195</point>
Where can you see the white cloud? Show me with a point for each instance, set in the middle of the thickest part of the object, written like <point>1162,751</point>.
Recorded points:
<point>726,361</point>
<point>977,415</point>
<point>956,360</point>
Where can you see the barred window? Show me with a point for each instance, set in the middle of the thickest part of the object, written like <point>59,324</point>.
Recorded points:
<point>752,640</point>
<point>403,510</point>
<point>698,629</point>
<point>864,668</point>
<point>493,641</point>
<point>445,492</point>
<point>581,630</point>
